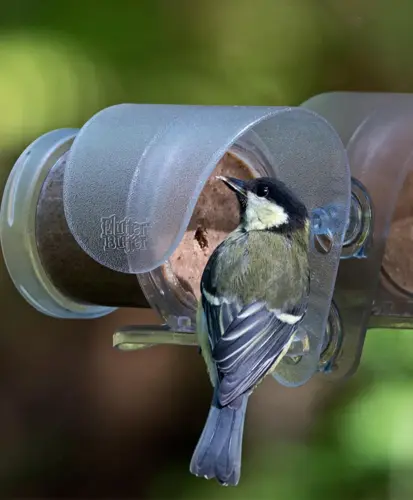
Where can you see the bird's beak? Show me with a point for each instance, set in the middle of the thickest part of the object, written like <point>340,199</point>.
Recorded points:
<point>236,185</point>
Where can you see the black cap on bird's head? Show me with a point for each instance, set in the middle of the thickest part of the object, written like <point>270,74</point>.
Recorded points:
<point>267,204</point>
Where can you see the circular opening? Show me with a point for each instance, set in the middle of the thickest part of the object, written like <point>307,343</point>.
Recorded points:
<point>397,265</point>
<point>216,215</point>
<point>176,284</point>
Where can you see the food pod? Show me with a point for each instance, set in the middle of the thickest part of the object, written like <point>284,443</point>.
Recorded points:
<point>373,290</point>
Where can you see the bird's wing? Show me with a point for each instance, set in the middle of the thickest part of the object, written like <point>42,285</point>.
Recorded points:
<point>246,342</point>
<point>250,347</point>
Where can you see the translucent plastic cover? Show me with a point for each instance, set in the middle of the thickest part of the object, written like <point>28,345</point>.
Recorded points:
<point>135,172</point>
<point>377,130</point>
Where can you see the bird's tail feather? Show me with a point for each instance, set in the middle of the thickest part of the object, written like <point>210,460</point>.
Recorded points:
<point>219,449</point>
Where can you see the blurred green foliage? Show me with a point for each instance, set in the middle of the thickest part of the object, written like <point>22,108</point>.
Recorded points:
<point>60,62</point>
<point>361,447</point>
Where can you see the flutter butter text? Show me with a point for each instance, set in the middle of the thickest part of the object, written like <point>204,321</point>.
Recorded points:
<point>125,234</point>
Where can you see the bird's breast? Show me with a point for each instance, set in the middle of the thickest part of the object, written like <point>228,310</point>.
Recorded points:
<point>263,266</point>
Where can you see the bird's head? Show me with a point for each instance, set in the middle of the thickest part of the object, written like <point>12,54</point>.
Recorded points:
<point>266,204</point>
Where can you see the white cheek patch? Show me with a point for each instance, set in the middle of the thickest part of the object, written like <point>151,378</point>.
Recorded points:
<point>262,214</point>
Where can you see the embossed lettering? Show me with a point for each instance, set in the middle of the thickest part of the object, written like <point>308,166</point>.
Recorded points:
<point>125,235</point>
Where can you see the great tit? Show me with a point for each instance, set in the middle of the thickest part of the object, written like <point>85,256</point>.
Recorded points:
<point>255,290</point>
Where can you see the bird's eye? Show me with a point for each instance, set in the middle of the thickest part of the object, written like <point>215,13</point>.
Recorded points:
<point>262,191</point>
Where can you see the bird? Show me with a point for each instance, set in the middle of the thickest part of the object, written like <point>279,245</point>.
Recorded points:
<point>254,295</point>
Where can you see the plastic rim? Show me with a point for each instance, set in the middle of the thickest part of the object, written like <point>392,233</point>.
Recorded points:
<point>17,229</point>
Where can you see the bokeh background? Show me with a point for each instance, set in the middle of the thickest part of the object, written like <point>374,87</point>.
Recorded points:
<point>80,420</point>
